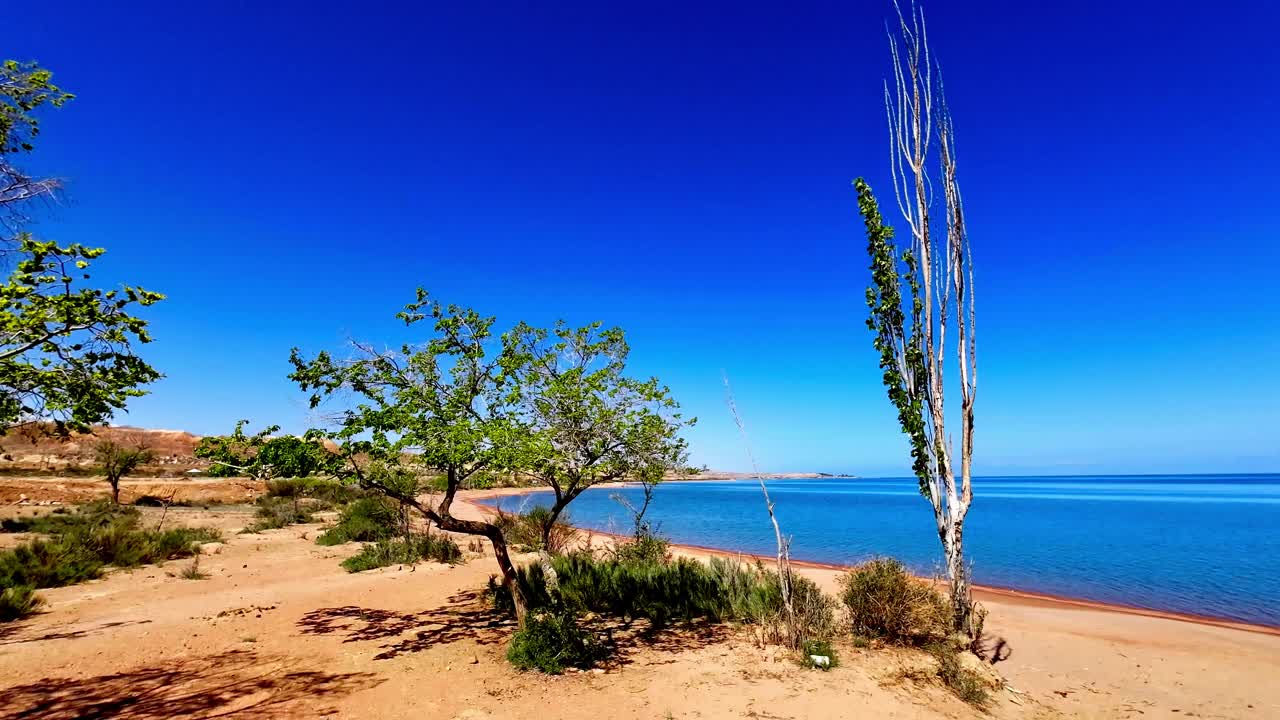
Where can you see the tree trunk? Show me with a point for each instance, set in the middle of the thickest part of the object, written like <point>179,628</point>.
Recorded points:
<point>509,578</point>
<point>115,491</point>
<point>550,524</point>
<point>958,574</point>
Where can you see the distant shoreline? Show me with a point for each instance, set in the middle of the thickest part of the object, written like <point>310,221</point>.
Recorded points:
<point>1020,597</point>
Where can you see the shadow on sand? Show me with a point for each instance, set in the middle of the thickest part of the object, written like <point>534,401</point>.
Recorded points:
<point>237,683</point>
<point>467,616</point>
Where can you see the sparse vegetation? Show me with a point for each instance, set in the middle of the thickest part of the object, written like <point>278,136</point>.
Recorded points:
<point>886,603</point>
<point>404,551</point>
<point>18,601</point>
<point>193,571</point>
<point>682,589</point>
<point>368,519</point>
<point>967,684</point>
<point>811,649</point>
<point>551,642</point>
<point>274,513</point>
<point>536,530</point>
<point>644,547</point>
<point>85,541</point>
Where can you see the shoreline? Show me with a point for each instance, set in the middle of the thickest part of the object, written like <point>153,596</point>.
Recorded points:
<point>1011,595</point>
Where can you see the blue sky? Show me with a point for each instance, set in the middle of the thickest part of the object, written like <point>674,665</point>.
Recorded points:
<point>288,174</point>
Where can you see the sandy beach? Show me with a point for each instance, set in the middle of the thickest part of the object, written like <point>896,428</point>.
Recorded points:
<point>280,630</point>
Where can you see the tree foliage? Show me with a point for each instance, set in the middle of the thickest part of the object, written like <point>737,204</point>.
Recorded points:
<point>441,406</point>
<point>460,404</point>
<point>583,420</point>
<point>116,460</point>
<point>66,351</point>
<point>901,356</point>
<point>24,87</point>
<point>263,456</point>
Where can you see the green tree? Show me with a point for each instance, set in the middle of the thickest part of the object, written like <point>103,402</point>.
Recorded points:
<point>911,332</point>
<point>262,456</point>
<point>116,460</point>
<point>66,351</point>
<point>583,421</point>
<point>443,406</point>
<point>24,88</point>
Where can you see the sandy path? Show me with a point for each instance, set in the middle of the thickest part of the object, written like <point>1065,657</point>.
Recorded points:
<point>279,630</point>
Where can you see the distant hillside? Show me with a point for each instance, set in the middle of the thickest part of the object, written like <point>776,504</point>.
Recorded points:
<point>31,451</point>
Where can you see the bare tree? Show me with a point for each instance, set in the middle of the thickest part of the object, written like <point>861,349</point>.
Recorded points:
<point>116,460</point>
<point>912,336</point>
<point>784,543</point>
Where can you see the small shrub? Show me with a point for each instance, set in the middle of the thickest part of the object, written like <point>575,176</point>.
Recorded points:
<point>643,548</point>
<point>367,519</point>
<point>551,642</point>
<point>87,517</point>
<point>404,551</point>
<point>193,572</point>
<point>887,603</point>
<point>47,563</point>
<point>683,589</point>
<point>524,531</point>
<point>819,648</point>
<point>320,493</point>
<point>967,685</point>
<point>88,539</point>
<point>276,512</point>
<point>815,615</point>
<point>18,602</point>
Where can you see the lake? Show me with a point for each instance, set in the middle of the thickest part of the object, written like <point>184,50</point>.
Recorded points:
<point>1200,544</point>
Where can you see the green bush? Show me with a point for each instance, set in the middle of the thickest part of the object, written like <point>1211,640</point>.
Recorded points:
<point>550,642</point>
<point>887,603</point>
<point>18,602</point>
<point>367,519</point>
<point>403,551</point>
<point>48,563</point>
<point>85,541</point>
<point>683,589</point>
<point>644,547</point>
<point>275,512</point>
<point>524,531</point>
<point>820,648</point>
<point>327,492</point>
<point>815,613</point>
<point>88,516</point>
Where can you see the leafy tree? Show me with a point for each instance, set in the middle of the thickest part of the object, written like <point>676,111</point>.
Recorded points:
<point>262,456</point>
<point>24,88</point>
<point>584,421</point>
<point>911,332</point>
<point>443,406</point>
<point>66,351</point>
<point>454,406</point>
<point>116,460</point>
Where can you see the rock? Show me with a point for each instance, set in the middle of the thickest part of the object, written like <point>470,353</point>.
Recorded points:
<point>210,548</point>
<point>597,671</point>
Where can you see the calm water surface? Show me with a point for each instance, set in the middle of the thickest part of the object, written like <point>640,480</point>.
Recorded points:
<point>1201,544</point>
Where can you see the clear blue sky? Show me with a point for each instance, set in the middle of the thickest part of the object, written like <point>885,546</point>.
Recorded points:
<point>288,175</point>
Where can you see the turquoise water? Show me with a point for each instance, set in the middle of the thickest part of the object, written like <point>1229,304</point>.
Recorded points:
<point>1201,544</point>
